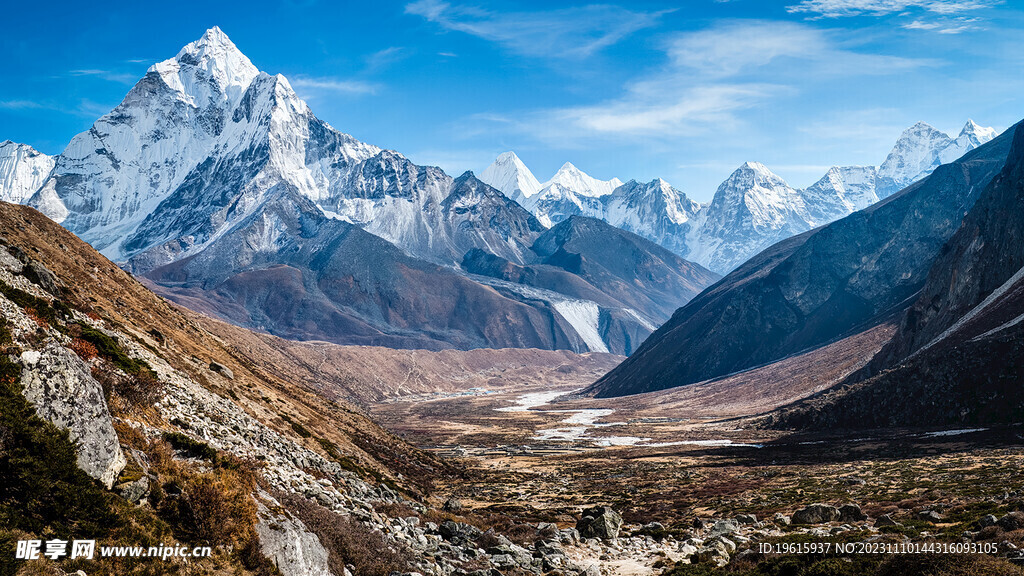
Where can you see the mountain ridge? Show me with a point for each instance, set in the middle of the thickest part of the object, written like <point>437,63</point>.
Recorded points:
<point>813,288</point>
<point>722,245</point>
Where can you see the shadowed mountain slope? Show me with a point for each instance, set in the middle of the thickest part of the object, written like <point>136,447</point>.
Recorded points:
<point>811,289</point>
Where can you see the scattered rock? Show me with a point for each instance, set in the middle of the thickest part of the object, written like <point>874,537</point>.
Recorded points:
<point>222,370</point>
<point>730,546</point>
<point>600,522</point>
<point>41,276</point>
<point>781,519</point>
<point>1012,521</point>
<point>816,514</point>
<point>724,527</point>
<point>886,520</point>
<point>714,552</point>
<point>452,505</point>
<point>851,513</point>
<point>986,521</point>
<point>286,541</point>
<point>547,531</point>
<point>746,519</point>
<point>930,516</point>
<point>457,532</point>
<point>135,491</point>
<point>9,262</point>
<point>653,527</point>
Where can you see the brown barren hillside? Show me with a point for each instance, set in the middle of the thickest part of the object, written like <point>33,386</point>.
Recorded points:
<point>367,374</point>
<point>112,294</point>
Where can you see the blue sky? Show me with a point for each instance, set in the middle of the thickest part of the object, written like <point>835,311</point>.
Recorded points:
<point>686,91</point>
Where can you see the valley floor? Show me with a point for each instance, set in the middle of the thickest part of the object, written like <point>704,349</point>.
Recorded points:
<point>541,454</point>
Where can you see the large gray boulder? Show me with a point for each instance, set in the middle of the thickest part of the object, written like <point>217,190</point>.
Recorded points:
<point>600,522</point>
<point>851,513</point>
<point>816,514</point>
<point>59,385</point>
<point>294,550</point>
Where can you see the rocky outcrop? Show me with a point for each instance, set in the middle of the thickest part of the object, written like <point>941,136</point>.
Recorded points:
<point>600,522</point>
<point>816,514</point>
<point>293,549</point>
<point>851,513</point>
<point>59,385</point>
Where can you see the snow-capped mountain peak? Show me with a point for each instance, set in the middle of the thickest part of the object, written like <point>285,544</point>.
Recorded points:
<point>916,153</point>
<point>218,58</point>
<point>971,136</point>
<point>22,171</point>
<point>754,178</point>
<point>581,183</point>
<point>921,148</point>
<point>980,133</point>
<point>508,174</point>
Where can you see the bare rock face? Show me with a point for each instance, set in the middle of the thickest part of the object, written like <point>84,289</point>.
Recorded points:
<point>59,385</point>
<point>816,514</point>
<point>295,550</point>
<point>600,522</point>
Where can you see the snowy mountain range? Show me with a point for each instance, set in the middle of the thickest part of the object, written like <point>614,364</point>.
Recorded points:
<point>215,181</point>
<point>751,210</point>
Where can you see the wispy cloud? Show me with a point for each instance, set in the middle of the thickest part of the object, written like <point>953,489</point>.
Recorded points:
<point>385,57</point>
<point>945,25</point>
<point>710,76</point>
<point>84,108</point>
<point>564,33</point>
<point>736,47</point>
<point>841,8</point>
<point>335,85</point>
<point>21,105</point>
<point>108,75</point>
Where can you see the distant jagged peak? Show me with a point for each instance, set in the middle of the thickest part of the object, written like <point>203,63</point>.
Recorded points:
<point>754,174</point>
<point>511,176</point>
<point>983,133</point>
<point>582,183</point>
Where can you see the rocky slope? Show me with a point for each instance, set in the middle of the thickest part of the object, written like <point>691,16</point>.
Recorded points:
<point>199,440</point>
<point>813,288</point>
<point>956,357</point>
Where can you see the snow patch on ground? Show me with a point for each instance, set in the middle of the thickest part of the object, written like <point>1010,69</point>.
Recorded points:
<point>578,425</point>
<point>528,401</point>
<point>954,432</point>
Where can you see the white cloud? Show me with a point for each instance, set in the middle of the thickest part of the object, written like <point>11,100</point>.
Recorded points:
<point>108,75</point>
<point>22,105</point>
<point>333,85</point>
<point>385,57</point>
<point>568,32</point>
<point>840,8</point>
<point>709,78</point>
<point>728,49</point>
